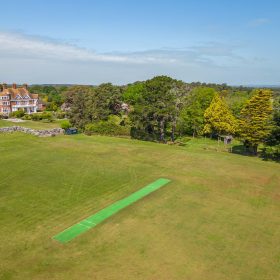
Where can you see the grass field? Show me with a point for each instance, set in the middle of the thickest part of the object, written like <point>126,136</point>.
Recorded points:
<point>219,218</point>
<point>32,124</point>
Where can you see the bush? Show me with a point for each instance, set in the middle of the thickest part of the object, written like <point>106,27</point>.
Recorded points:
<point>47,116</point>
<point>65,124</point>
<point>60,115</point>
<point>36,117</point>
<point>271,152</point>
<point>111,127</point>
<point>26,117</point>
<point>17,114</point>
<point>42,116</point>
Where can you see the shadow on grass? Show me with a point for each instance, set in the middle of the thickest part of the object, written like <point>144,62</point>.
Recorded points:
<point>241,150</point>
<point>265,153</point>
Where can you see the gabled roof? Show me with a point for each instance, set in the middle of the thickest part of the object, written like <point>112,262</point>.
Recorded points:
<point>22,92</point>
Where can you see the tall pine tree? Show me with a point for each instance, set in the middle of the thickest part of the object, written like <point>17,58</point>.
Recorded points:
<point>256,119</point>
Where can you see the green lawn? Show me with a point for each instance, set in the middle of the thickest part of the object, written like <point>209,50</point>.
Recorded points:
<point>219,218</point>
<point>32,124</point>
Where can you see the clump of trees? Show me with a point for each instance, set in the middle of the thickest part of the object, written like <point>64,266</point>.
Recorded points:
<point>92,108</point>
<point>51,96</point>
<point>191,117</point>
<point>156,109</point>
<point>163,109</point>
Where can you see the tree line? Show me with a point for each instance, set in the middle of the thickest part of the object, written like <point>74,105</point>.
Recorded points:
<point>165,109</point>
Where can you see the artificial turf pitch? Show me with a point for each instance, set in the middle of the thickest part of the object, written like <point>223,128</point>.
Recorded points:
<point>90,222</point>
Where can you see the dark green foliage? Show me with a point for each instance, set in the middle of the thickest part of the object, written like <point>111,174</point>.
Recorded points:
<point>113,126</point>
<point>103,101</point>
<point>76,98</point>
<point>274,137</point>
<point>271,153</point>
<point>157,108</point>
<point>89,104</point>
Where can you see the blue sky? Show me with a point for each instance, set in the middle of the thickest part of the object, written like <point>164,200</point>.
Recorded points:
<point>121,41</point>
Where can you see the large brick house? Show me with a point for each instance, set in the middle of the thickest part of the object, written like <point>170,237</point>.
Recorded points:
<point>18,98</point>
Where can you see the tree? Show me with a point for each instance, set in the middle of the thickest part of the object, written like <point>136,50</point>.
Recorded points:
<point>236,101</point>
<point>274,136</point>
<point>218,118</point>
<point>103,101</point>
<point>133,93</point>
<point>255,119</point>
<point>191,120</point>
<point>51,95</point>
<point>88,104</point>
<point>75,98</point>
<point>156,108</point>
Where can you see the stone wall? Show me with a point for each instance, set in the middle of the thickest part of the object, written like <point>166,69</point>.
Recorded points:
<point>36,132</point>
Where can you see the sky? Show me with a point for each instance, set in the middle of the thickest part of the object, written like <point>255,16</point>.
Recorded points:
<point>123,41</point>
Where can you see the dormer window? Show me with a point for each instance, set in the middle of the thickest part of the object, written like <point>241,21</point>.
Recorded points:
<point>26,97</point>
<point>18,97</point>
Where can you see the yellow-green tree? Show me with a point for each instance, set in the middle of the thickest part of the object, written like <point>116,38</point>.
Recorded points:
<point>218,118</point>
<point>255,119</point>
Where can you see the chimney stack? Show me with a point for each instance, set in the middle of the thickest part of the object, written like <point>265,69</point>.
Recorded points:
<point>25,86</point>
<point>14,86</point>
<point>4,86</point>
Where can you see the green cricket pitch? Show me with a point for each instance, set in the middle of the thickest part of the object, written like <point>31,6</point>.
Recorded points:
<point>90,222</point>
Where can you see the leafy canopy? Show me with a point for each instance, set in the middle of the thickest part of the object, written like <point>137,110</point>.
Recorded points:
<point>191,120</point>
<point>255,118</point>
<point>218,118</point>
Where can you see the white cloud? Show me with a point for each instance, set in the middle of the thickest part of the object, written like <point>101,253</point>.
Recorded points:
<point>19,45</point>
<point>259,22</point>
<point>34,59</point>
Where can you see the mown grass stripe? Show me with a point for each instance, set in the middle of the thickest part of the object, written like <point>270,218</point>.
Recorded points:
<point>90,222</point>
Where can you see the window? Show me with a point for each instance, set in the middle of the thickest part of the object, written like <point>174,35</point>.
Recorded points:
<point>6,103</point>
<point>18,97</point>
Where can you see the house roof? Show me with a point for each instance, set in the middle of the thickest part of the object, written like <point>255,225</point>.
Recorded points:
<point>22,92</point>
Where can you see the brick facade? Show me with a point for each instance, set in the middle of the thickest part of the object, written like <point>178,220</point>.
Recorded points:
<point>17,98</point>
